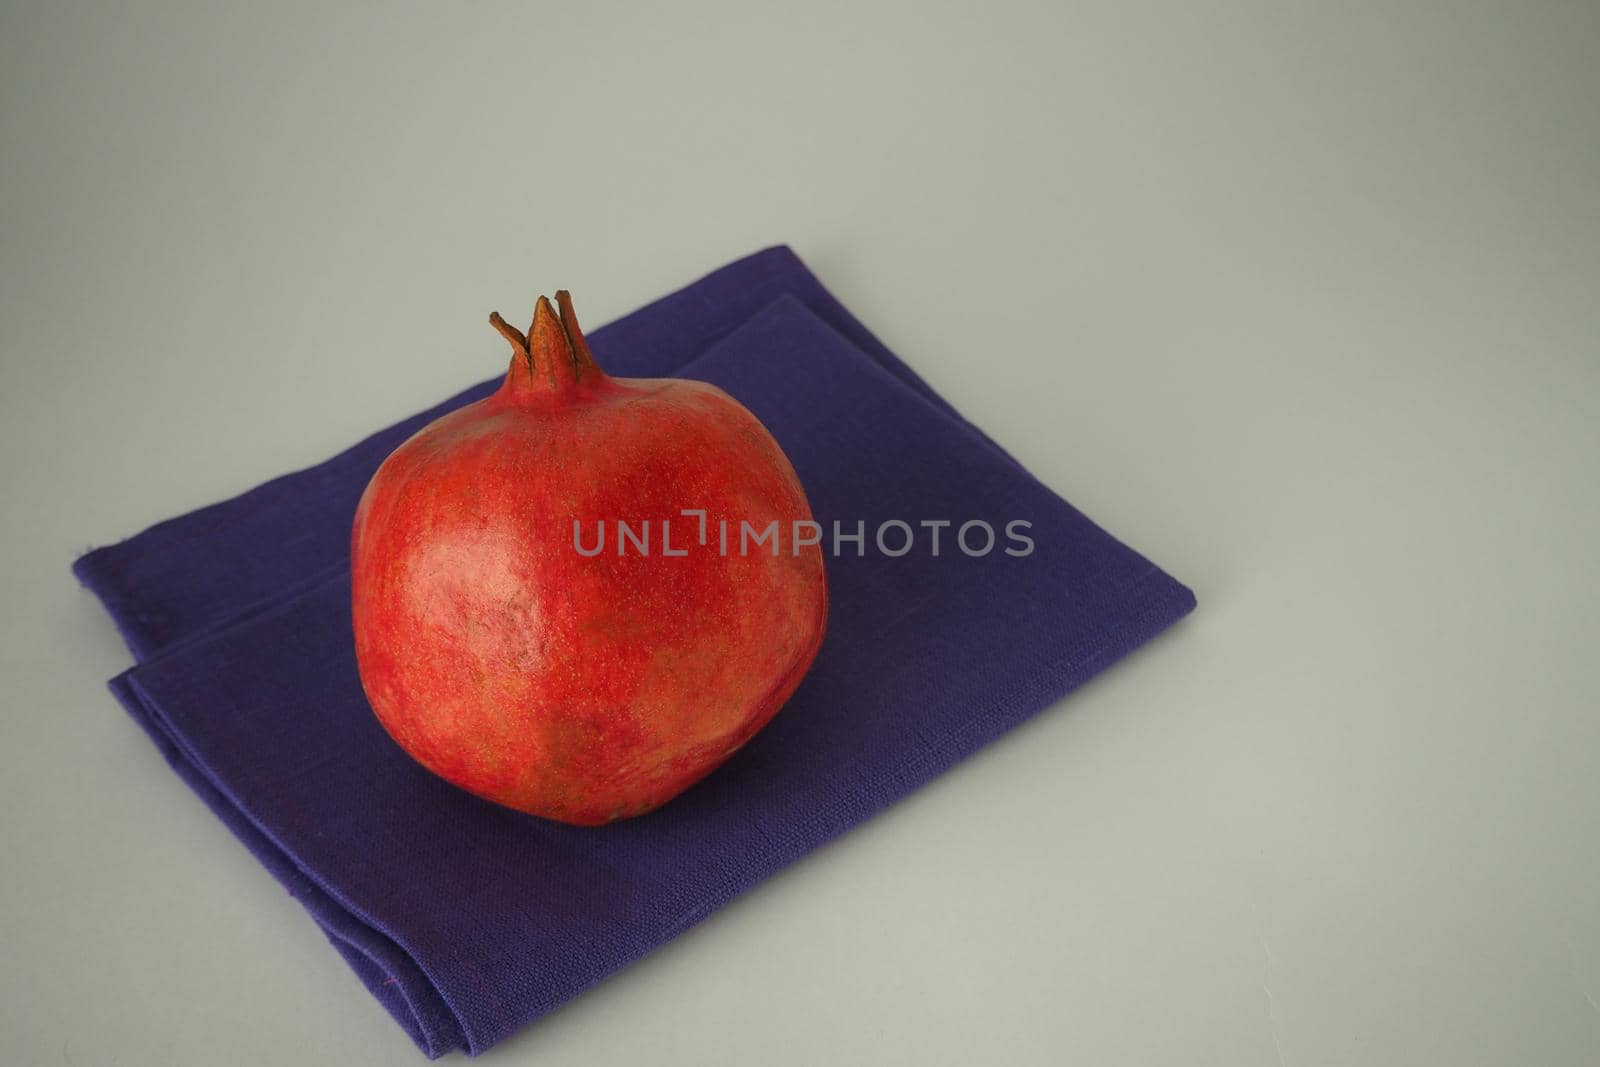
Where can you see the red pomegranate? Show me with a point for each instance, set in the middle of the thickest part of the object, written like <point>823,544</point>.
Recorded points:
<point>508,656</point>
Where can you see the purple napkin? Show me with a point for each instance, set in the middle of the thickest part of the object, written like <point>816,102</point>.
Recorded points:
<point>468,921</point>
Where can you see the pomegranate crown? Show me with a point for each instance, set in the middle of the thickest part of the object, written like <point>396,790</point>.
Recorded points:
<point>553,356</point>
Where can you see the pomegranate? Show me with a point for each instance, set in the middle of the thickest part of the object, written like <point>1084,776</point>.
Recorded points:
<point>510,656</point>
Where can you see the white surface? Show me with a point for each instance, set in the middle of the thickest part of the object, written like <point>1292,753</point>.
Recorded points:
<point>1300,301</point>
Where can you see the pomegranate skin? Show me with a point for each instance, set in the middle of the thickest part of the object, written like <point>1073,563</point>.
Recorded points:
<point>582,688</point>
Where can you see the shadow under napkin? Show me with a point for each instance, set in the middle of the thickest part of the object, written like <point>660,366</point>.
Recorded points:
<point>468,920</point>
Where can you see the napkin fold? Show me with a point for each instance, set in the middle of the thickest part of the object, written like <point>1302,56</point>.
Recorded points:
<point>467,920</point>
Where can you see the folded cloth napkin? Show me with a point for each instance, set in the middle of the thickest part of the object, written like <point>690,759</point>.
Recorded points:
<point>467,920</point>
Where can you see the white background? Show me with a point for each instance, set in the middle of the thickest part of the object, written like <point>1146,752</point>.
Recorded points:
<point>1300,300</point>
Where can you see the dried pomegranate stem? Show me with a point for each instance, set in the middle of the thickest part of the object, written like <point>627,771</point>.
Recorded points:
<point>553,352</point>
